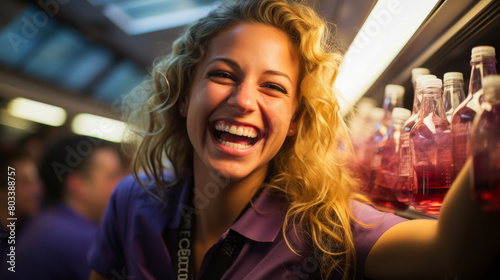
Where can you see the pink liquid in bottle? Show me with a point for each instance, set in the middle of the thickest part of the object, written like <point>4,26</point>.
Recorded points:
<point>483,63</point>
<point>487,179</point>
<point>430,144</point>
<point>462,123</point>
<point>393,97</point>
<point>403,188</point>
<point>386,166</point>
<point>432,183</point>
<point>485,147</point>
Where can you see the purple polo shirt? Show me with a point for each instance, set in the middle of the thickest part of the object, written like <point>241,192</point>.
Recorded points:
<point>54,246</point>
<point>130,240</point>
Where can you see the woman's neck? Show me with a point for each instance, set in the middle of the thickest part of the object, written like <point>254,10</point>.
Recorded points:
<point>220,200</point>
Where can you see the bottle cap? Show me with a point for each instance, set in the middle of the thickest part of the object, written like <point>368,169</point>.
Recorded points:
<point>376,114</point>
<point>492,81</point>
<point>481,52</point>
<point>365,104</point>
<point>424,77</point>
<point>417,72</point>
<point>432,82</point>
<point>395,91</point>
<point>453,76</point>
<point>491,87</point>
<point>401,113</point>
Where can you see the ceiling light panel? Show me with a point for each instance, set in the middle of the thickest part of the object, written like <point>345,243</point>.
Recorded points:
<point>143,16</point>
<point>388,28</point>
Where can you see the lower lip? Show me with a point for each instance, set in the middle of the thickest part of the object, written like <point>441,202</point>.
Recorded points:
<point>232,151</point>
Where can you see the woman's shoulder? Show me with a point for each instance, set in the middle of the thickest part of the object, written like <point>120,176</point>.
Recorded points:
<point>135,195</point>
<point>368,225</point>
<point>365,213</point>
<point>141,186</point>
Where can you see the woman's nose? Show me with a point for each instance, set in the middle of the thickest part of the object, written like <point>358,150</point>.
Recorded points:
<point>243,98</point>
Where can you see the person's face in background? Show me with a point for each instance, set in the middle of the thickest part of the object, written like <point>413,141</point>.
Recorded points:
<point>104,173</point>
<point>29,189</point>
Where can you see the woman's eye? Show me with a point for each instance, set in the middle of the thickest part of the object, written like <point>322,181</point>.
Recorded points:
<point>276,87</point>
<point>221,75</point>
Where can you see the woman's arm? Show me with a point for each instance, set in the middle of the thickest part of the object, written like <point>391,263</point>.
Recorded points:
<point>96,276</point>
<point>462,244</point>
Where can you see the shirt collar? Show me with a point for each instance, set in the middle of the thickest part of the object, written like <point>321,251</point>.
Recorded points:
<point>263,220</point>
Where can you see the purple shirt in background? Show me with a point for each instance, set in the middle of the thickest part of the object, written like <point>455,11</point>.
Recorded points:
<point>130,238</point>
<point>54,246</point>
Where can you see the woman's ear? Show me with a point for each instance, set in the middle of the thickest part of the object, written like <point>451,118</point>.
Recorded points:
<point>292,128</point>
<point>183,105</point>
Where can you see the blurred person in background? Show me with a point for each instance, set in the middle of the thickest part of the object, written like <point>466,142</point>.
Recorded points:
<point>26,190</point>
<point>79,173</point>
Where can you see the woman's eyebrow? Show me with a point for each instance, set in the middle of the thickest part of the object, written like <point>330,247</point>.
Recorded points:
<point>278,73</point>
<point>234,64</point>
<point>229,61</point>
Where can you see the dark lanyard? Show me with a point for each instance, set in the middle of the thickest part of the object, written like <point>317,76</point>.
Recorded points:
<point>224,256</point>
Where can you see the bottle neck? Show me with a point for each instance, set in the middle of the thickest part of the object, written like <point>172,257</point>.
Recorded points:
<point>398,124</point>
<point>390,102</point>
<point>453,90</point>
<point>417,99</point>
<point>432,103</point>
<point>453,83</point>
<point>479,70</point>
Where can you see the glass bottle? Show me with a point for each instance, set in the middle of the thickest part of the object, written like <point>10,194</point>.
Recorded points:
<point>453,92</point>
<point>415,74</point>
<point>485,146</point>
<point>386,164</point>
<point>430,144</point>
<point>360,124</point>
<point>403,193</point>
<point>393,97</point>
<point>365,152</point>
<point>483,64</point>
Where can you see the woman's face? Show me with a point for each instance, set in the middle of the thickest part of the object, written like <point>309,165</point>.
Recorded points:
<point>242,102</point>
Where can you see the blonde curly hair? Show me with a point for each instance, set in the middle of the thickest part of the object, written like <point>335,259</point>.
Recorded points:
<point>311,167</point>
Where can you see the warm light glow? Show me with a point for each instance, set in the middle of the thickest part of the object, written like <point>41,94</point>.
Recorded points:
<point>385,32</point>
<point>99,127</point>
<point>36,111</point>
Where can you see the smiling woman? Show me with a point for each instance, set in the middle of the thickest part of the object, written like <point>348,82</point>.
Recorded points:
<point>244,110</point>
<point>246,94</point>
<point>247,81</point>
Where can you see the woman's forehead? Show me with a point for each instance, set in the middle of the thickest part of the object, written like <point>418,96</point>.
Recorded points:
<point>249,42</point>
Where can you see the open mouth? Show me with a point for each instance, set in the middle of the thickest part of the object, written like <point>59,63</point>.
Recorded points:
<point>235,136</point>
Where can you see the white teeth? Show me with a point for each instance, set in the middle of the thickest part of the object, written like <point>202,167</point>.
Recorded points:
<point>240,131</point>
<point>234,145</point>
<point>232,130</point>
